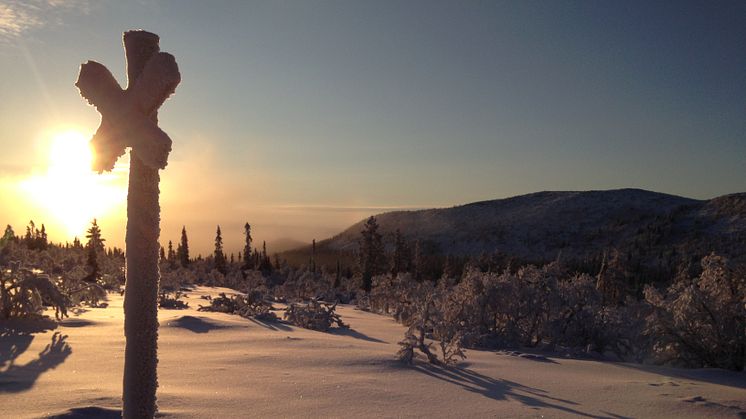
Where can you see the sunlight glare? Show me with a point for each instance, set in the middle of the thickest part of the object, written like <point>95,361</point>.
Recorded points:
<point>70,191</point>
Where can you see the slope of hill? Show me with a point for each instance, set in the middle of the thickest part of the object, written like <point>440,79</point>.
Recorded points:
<point>284,244</point>
<point>537,227</point>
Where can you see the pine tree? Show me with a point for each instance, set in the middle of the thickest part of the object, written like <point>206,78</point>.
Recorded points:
<point>183,250</point>
<point>219,256</point>
<point>418,262</point>
<point>372,256</point>
<point>162,255</point>
<point>612,279</point>
<point>265,264</point>
<point>338,276</point>
<point>247,262</point>
<point>312,262</point>
<point>94,246</point>
<point>451,268</point>
<point>42,239</point>
<point>8,236</point>
<point>94,237</point>
<point>29,238</point>
<point>171,257</point>
<point>402,258</point>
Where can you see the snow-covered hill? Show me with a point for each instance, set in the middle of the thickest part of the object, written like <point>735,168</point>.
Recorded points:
<point>578,225</point>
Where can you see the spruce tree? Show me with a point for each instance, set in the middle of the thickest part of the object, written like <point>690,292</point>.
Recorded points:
<point>265,264</point>
<point>312,262</point>
<point>42,239</point>
<point>451,268</point>
<point>613,279</point>
<point>418,262</point>
<point>338,276</point>
<point>372,256</point>
<point>183,250</point>
<point>8,236</point>
<point>402,259</point>
<point>247,261</point>
<point>94,246</point>
<point>219,256</point>
<point>171,257</point>
<point>29,237</point>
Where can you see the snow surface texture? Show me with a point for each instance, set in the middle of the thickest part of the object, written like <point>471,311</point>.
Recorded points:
<point>129,119</point>
<point>222,365</point>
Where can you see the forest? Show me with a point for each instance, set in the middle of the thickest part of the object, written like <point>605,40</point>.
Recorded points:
<point>694,318</point>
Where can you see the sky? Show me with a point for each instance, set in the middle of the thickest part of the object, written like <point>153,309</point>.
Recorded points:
<point>303,117</point>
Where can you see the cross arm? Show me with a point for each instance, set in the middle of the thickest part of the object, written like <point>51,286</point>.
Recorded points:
<point>98,86</point>
<point>157,82</point>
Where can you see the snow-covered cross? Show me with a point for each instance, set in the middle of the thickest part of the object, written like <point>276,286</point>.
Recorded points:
<point>129,119</point>
<point>128,116</point>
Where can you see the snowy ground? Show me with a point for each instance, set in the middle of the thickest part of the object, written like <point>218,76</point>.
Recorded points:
<point>219,365</point>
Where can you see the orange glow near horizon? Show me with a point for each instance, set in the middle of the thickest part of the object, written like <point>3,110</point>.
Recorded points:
<point>69,191</point>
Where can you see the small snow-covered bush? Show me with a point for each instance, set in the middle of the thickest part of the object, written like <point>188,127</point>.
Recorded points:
<point>23,293</point>
<point>396,296</point>
<point>91,294</point>
<point>253,305</point>
<point>72,283</point>
<point>177,278</point>
<point>701,322</point>
<point>305,285</point>
<point>171,299</point>
<point>533,306</point>
<point>429,320</point>
<point>580,320</point>
<point>314,315</point>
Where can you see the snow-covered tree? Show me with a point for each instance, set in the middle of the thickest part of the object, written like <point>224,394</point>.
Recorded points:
<point>701,322</point>
<point>402,258</point>
<point>94,247</point>
<point>218,255</point>
<point>182,252</point>
<point>8,236</point>
<point>248,262</point>
<point>372,258</point>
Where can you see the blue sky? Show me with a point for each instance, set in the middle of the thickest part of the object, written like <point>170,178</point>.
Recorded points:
<point>305,116</point>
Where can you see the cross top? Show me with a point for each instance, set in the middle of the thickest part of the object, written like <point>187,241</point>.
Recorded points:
<point>129,116</point>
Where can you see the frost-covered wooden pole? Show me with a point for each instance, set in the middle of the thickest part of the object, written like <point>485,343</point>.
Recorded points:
<point>129,119</point>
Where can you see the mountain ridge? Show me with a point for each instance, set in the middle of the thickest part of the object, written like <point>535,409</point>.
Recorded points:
<point>659,228</point>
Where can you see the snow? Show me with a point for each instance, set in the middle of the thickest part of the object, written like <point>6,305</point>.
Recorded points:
<point>220,365</point>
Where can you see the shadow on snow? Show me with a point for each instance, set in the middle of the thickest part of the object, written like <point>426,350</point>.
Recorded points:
<point>498,389</point>
<point>274,325</point>
<point>196,324</point>
<point>94,412</point>
<point>15,339</point>
<point>354,334</point>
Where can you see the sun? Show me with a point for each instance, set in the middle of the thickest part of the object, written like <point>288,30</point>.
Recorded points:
<point>69,191</point>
